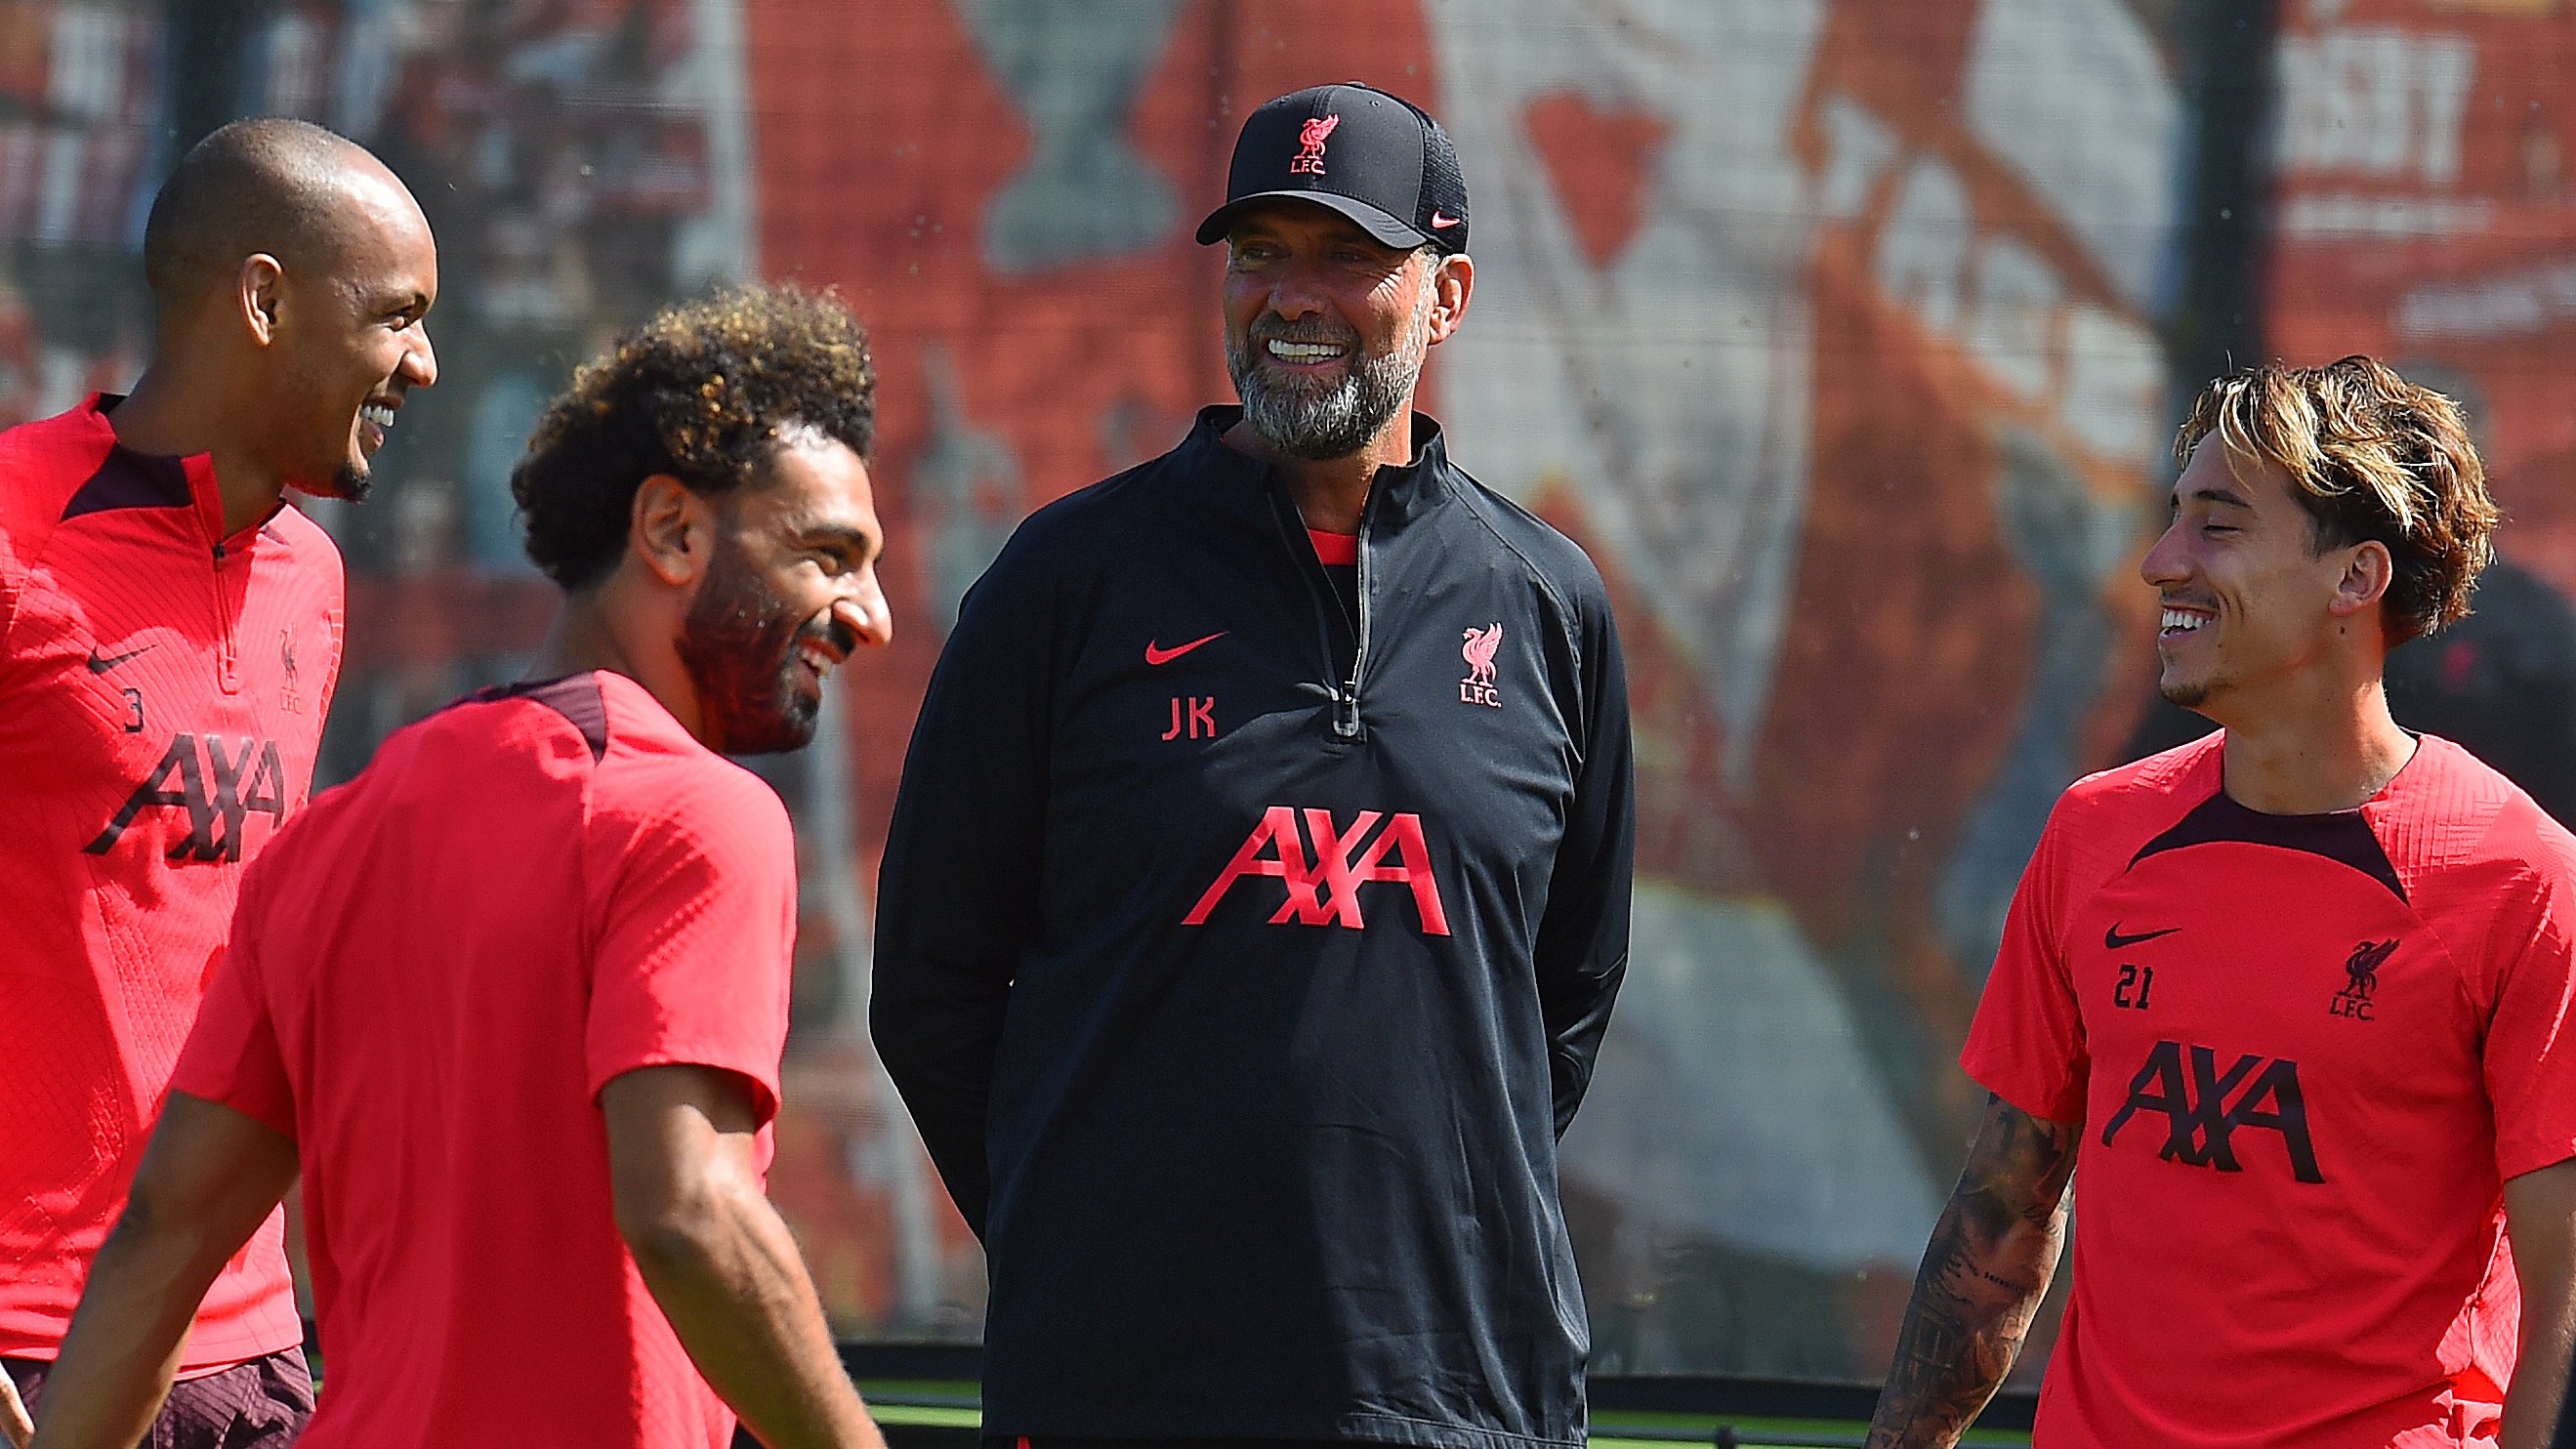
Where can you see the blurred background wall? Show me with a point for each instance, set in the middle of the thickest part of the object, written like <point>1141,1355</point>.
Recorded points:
<point>1849,336</point>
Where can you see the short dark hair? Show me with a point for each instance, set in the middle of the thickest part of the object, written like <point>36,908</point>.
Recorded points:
<point>707,392</point>
<point>2369,455</point>
<point>265,184</point>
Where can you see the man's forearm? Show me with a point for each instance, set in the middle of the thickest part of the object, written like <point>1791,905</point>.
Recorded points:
<point>209,1176</point>
<point>2532,1402</point>
<point>1983,1275</point>
<point>127,1335</point>
<point>737,1294</point>
<point>2540,1220</point>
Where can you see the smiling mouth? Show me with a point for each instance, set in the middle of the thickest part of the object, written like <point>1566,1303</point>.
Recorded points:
<point>1304,354</point>
<point>2179,622</point>
<point>818,658</point>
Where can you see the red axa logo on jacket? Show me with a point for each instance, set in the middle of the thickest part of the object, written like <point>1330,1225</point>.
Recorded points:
<point>1327,892</point>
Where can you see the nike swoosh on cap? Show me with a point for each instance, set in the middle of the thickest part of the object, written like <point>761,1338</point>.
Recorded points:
<point>2113,939</point>
<point>1445,222</point>
<point>1155,655</point>
<point>98,665</point>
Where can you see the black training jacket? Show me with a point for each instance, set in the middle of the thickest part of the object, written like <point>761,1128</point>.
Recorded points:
<point>1241,961</point>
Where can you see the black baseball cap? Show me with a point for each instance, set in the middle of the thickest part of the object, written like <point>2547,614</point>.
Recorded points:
<point>1376,158</point>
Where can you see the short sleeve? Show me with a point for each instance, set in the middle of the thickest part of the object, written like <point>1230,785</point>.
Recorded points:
<point>2027,1042</point>
<point>2530,1052</point>
<point>692,961</point>
<point>231,1056</point>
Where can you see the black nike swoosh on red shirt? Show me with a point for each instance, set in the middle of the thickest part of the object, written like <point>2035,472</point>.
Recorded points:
<point>98,665</point>
<point>2113,939</point>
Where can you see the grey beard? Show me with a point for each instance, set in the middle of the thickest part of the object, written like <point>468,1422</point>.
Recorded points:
<point>1303,423</point>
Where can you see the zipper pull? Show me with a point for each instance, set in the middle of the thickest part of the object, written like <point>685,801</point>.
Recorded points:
<point>1346,711</point>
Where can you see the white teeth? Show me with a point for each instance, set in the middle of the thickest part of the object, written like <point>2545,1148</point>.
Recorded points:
<point>378,414</point>
<point>2176,619</point>
<point>1303,351</point>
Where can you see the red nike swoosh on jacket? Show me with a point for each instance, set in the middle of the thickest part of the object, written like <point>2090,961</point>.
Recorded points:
<point>1155,655</point>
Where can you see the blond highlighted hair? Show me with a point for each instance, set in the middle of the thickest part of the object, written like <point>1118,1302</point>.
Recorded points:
<point>2370,456</point>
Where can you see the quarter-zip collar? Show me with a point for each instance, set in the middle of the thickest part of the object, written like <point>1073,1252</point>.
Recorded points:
<point>1245,488</point>
<point>190,483</point>
<point>1395,493</point>
<point>191,477</point>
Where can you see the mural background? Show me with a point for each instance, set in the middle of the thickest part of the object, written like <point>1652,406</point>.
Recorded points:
<point>1847,334</point>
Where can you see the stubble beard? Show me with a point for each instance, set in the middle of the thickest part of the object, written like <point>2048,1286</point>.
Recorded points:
<point>1336,420</point>
<point>2190,695</point>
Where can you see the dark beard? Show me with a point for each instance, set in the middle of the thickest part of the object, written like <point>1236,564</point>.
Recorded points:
<point>739,646</point>
<point>351,484</point>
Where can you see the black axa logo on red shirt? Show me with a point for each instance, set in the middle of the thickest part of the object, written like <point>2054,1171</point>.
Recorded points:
<point>1327,892</point>
<point>232,781</point>
<point>2201,1123</point>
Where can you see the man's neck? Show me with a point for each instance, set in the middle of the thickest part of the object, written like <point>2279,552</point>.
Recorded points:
<point>2329,753</point>
<point>166,415</point>
<point>592,631</point>
<point>1332,492</point>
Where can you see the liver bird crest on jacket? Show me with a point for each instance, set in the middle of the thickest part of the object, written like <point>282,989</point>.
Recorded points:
<point>1479,651</point>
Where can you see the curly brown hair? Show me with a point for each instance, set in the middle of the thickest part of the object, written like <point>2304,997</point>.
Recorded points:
<point>707,392</point>
<point>2369,455</point>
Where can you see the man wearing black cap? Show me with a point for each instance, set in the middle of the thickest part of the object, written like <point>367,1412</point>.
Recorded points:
<point>1258,888</point>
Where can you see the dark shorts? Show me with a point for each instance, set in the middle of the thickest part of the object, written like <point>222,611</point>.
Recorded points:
<point>261,1404</point>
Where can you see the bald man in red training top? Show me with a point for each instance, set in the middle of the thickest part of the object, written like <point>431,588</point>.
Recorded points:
<point>513,1000</point>
<point>2291,1004</point>
<point>169,637</point>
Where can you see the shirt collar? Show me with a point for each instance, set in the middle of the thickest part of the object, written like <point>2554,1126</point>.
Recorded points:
<point>1396,491</point>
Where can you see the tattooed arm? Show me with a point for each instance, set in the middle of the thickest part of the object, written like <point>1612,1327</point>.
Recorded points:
<point>1989,1261</point>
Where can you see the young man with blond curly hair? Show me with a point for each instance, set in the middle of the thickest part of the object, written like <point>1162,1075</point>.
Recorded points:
<point>2292,1001</point>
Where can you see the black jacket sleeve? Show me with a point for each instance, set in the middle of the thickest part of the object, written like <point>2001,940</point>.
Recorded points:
<point>957,895</point>
<point>1582,948</point>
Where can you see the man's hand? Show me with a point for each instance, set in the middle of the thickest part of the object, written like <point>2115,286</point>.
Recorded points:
<point>2540,1219</point>
<point>1983,1273</point>
<point>717,1258</point>
<point>209,1177</point>
<point>14,1423</point>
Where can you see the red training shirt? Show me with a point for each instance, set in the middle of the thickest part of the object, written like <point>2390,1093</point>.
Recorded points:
<point>162,689</point>
<point>432,975</point>
<point>2306,1052</point>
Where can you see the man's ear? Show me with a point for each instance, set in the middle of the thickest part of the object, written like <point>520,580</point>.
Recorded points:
<point>671,530</point>
<point>1453,281</point>
<point>2366,577</point>
<point>259,294</point>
